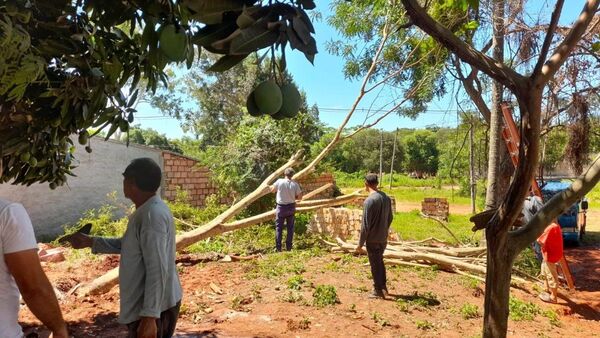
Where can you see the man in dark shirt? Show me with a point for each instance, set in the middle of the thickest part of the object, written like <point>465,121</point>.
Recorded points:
<point>377,217</point>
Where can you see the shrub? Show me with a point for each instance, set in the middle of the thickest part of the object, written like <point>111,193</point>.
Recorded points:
<point>325,295</point>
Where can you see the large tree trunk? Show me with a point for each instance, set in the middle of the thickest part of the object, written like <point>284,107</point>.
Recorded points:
<point>493,197</point>
<point>497,285</point>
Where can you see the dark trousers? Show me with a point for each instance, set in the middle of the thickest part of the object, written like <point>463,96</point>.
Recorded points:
<point>375,252</point>
<point>284,214</point>
<point>165,324</point>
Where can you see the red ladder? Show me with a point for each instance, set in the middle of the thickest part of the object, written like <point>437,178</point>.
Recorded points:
<point>512,138</point>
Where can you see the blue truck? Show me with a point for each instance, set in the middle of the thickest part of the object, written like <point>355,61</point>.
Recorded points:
<point>573,220</point>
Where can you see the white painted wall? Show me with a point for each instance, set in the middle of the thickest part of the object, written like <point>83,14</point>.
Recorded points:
<point>98,174</point>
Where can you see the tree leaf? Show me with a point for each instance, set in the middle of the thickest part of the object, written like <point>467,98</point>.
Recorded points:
<point>301,29</point>
<point>208,34</point>
<point>227,62</point>
<point>306,20</point>
<point>211,11</point>
<point>252,39</point>
<point>308,4</point>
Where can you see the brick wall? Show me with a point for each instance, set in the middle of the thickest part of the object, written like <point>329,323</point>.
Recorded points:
<point>313,182</point>
<point>340,222</point>
<point>437,207</point>
<point>185,173</point>
<point>360,200</point>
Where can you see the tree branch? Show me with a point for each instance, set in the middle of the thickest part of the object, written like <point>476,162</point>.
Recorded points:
<point>548,39</point>
<point>495,69</point>
<point>567,45</point>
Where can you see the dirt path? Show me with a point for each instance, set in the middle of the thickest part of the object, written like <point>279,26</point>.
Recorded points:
<point>257,301</point>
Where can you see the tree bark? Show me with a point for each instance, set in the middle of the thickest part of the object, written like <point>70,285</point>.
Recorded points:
<point>497,285</point>
<point>492,196</point>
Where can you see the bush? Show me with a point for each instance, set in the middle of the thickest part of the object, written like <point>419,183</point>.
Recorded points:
<point>325,295</point>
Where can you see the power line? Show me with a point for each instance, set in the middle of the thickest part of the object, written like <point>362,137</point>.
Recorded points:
<point>331,110</point>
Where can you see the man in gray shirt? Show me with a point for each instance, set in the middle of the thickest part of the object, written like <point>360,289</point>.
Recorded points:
<point>288,191</point>
<point>377,217</point>
<point>150,290</point>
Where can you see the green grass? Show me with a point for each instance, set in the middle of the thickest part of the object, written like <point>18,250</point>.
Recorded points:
<point>358,180</point>
<point>416,194</point>
<point>411,226</point>
<point>469,311</point>
<point>594,197</point>
<point>521,311</point>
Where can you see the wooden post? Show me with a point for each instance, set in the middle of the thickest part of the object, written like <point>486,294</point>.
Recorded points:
<point>381,157</point>
<point>472,164</point>
<point>393,156</point>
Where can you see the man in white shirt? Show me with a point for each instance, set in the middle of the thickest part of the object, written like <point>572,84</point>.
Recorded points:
<point>288,191</point>
<point>20,270</point>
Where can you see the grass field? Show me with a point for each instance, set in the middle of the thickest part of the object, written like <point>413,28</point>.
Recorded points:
<point>411,226</point>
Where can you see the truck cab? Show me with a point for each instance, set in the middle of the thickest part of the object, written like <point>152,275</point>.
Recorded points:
<point>572,221</point>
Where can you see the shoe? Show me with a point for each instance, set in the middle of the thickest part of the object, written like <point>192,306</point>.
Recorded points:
<point>377,295</point>
<point>386,294</point>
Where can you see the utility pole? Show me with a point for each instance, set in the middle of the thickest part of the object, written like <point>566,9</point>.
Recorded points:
<point>393,155</point>
<point>472,164</point>
<point>381,157</point>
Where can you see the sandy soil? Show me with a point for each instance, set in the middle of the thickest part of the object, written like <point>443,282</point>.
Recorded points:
<point>257,307</point>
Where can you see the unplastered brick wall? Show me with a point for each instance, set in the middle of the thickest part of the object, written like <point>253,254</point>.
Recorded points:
<point>360,200</point>
<point>185,173</point>
<point>313,182</point>
<point>436,207</point>
<point>340,222</point>
<point>336,222</point>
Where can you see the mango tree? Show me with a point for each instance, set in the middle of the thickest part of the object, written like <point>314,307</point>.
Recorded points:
<point>68,66</point>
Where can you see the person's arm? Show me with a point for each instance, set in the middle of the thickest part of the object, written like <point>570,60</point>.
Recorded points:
<point>106,245</point>
<point>298,191</point>
<point>36,289</point>
<point>273,188</point>
<point>99,245</point>
<point>364,229</point>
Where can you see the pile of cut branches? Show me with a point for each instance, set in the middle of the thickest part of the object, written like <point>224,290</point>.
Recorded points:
<point>465,260</point>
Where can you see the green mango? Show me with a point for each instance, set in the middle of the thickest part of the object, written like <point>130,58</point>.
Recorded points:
<point>173,43</point>
<point>267,96</point>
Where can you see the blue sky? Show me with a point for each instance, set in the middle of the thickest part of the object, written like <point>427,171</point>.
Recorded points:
<point>326,86</point>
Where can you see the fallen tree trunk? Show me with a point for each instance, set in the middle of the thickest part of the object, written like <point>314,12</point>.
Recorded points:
<point>451,264</point>
<point>104,283</point>
<point>317,191</point>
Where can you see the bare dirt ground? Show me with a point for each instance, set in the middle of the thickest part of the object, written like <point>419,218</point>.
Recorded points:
<point>250,300</point>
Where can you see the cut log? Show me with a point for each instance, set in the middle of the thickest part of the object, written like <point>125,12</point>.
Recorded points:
<point>317,191</point>
<point>447,263</point>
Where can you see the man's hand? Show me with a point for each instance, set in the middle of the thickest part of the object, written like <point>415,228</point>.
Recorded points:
<point>147,328</point>
<point>79,240</point>
<point>358,249</point>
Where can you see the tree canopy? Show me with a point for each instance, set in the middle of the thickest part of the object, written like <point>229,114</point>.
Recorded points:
<point>69,66</point>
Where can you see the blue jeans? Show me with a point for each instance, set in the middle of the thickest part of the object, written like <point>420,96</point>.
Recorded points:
<point>284,214</point>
